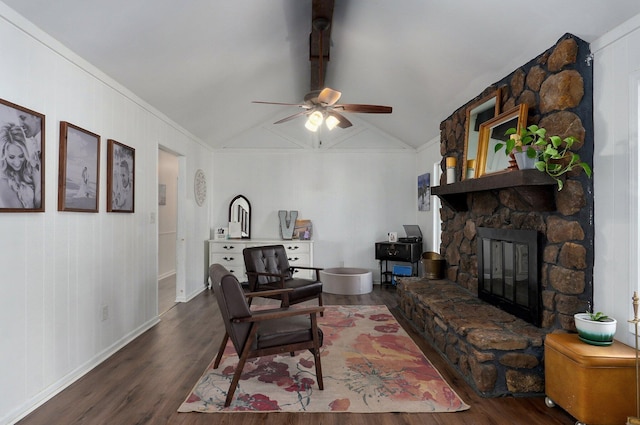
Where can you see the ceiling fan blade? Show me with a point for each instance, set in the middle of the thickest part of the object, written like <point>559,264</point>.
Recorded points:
<point>290,117</point>
<point>278,103</point>
<point>343,122</point>
<point>368,109</point>
<point>329,96</point>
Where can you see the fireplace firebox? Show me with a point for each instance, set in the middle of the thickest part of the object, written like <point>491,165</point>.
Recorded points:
<point>508,275</point>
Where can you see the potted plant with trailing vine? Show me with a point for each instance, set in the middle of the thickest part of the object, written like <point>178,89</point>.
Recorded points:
<point>595,328</point>
<point>553,155</point>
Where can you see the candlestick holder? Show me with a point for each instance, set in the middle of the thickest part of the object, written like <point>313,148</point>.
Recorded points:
<point>635,420</point>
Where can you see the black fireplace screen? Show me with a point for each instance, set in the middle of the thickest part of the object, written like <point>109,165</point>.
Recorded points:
<point>508,271</point>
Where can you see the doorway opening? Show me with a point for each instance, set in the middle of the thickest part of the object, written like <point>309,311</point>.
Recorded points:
<point>169,283</point>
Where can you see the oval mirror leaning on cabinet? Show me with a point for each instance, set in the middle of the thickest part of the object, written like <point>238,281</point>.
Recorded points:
<point>240,212</point>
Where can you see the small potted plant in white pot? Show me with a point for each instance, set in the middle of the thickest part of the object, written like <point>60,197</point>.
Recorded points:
<point>595,328</point>
<point>551,154</point>
<point>521,147</point>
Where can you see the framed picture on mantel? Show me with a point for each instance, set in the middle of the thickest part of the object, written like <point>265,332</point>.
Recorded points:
<point>492,132</point>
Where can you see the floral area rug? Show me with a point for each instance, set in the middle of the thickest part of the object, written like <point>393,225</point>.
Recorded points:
<point>369,365</point>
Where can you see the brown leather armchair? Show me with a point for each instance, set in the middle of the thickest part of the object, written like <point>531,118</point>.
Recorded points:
<point>268,269</point>
<point>264,332</point>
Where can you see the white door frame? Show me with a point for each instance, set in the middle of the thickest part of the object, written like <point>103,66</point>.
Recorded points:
<point>181,227</point>
<point>181,231</point>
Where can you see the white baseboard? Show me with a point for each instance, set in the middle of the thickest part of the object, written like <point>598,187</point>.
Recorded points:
<point>166,275</point>
<point>52,390</point>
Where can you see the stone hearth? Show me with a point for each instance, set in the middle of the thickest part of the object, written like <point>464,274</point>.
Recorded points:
<point>497,353</point>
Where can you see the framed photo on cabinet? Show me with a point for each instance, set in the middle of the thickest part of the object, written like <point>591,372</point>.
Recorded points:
<point>79,169</point>
<point>21,159</point>
<point>120,177</point>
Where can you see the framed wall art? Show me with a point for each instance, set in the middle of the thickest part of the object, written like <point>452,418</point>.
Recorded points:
<point>21,159</point>
<point>120,177</point>
<point>424,192</point>
<point>79,169</point>
<point>492,132</point>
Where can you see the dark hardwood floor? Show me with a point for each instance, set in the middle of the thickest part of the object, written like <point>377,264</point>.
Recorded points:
<point>166,294</point>
<point>146,381</point>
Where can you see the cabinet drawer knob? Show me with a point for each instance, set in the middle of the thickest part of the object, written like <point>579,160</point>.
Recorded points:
<point>227,258</point>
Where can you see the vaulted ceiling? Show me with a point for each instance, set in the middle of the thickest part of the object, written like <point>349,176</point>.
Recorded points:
<point>202,62</point>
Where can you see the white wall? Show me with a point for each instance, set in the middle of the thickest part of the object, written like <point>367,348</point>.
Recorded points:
<point>429,221</point>
<point>167,214</point>
<point>352,198</point>
<point>60,270</point>
<point>616,85</point>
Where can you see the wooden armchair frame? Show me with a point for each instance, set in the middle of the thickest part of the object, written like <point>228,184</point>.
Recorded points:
<point>251,349</point>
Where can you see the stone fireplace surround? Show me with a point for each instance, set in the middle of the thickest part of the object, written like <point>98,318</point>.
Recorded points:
<point>497,353</point>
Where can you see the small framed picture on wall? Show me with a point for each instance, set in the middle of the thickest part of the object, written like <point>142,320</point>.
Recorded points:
<point>120,177</point>
<point>424,192</point>
<point>79,172</point>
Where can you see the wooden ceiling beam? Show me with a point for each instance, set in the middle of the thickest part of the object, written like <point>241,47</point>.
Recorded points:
<point>320,41</point>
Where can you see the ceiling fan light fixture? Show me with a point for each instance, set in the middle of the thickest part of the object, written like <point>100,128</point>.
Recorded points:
<point>314,121</point>
<point>331,122</point>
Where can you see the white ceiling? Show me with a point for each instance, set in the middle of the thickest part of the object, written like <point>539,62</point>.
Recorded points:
<point>202,62</point>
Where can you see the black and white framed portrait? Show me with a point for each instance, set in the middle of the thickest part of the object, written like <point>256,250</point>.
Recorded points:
<point>21,159</point>
<point>120,177</point>
<point>79,174</point>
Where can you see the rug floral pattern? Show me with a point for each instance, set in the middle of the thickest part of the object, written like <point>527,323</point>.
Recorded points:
<point>369,364</point>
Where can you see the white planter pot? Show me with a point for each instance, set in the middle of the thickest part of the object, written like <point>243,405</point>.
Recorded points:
<point>595,333</point>
<point>523,161</point>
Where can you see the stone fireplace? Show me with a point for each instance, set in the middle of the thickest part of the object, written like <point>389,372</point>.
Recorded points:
<point>497,352</point>
<point>557,86</point>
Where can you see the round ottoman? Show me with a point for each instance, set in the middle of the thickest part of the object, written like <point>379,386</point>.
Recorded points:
<point>346,281</point>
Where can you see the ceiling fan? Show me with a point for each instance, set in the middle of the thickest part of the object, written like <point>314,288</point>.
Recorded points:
<point>321,106</point>
<point>321,103</point>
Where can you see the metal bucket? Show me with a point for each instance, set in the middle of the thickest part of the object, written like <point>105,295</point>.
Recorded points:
<point>433,265</point>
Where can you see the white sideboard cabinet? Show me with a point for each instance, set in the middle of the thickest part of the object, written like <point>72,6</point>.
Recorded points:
<point>228,252</point>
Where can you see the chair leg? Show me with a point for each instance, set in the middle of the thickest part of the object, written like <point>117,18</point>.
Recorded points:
<point>221,350</point>
<point>320,304</point>
<point>241,362</point>
<point>234,381</point>
<point>316,356</point>
<point>316,351</point>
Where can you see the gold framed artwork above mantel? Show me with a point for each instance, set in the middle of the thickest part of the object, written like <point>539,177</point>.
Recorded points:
<point>478,112</point>
<point>492,132</point>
